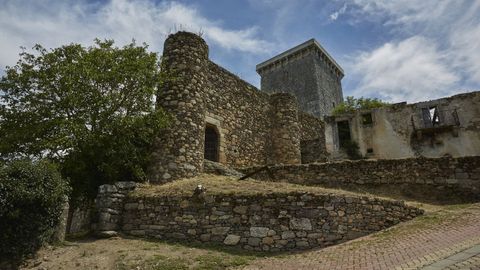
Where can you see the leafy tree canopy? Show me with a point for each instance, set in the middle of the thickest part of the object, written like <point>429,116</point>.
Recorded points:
<point>351,104</point>
<point>92,110</point>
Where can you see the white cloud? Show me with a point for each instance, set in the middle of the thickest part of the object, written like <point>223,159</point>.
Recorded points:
<point>411,70</point>
<point>408,12</point>
<point>465,45</point>
<point>334,16</point>
<point>434,54</point>
<point>53,23</point>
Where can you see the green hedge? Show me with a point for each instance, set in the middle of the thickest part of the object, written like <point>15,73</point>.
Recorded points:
<point>31,196</point>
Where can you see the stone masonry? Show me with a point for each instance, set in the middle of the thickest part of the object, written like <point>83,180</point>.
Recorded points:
<point>452,176</point>
<point>254,128</point>
<point>312,139</point>
<point>272,222</point>
<point>308,72</point>
<point>109,205</point>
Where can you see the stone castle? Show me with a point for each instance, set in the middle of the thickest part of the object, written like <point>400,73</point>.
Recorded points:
<point>220,117</point>
<point>426,151</point>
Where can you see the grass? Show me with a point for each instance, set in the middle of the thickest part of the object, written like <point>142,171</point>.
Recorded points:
<point>185,255</point>
<point>219,262</point>
<point>208,261</point>
<point>225,185</point>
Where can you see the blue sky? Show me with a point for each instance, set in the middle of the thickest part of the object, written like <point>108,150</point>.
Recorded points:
<point>397,50</point>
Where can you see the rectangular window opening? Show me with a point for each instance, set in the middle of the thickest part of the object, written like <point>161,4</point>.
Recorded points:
<point>367,119</point>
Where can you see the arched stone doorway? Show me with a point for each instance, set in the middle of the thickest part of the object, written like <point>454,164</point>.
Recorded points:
<point>212,143</point>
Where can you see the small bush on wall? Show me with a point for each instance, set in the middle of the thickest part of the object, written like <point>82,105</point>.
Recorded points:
<point>352,149</point>
<point>351,104</point>
<point>31,196</point>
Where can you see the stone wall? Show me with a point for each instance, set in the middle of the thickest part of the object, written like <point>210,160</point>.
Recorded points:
<point>109,205</point>
<point>285,132</point>
<point>460,176</point>
<point>179,148</point>
<point>308,74</point>
<point>254,128</point>
<point>312,138</point>
<point>80,217</point>
<point>274,222</point>
<point>242,115</point>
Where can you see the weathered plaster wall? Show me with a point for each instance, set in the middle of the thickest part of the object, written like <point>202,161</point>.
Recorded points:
<point>455,176</point>
<point>273,222</point>
<point>392,134</point>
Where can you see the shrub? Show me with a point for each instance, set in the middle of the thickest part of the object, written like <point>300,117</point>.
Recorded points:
<point>31,196</point>
<point>352,104</point>
<point>352,149</point>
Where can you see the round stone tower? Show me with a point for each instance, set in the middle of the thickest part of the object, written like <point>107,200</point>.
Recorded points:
<point>285,129</point>
<point>179,147</point>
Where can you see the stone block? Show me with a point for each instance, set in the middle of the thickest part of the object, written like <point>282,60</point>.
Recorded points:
<point>137,232</point>
<point>126,185</point>
<point>205,237</point>
<point>131,206</point>
<point>302,244</point>
<point>259,231</point>
<point>288,235</point>
<point>241,209</point>
<point>301,224</point>
<point>106,234</point>
<point>220,230</point>
<point>451,181</point>
<point>268,240</point>
<point>254,242</point>
<point>231,240</point>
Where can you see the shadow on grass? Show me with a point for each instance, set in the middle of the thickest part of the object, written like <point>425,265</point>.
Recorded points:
<point>218,247</point>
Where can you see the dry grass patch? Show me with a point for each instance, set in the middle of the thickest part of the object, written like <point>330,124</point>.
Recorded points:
<point>226,185</point>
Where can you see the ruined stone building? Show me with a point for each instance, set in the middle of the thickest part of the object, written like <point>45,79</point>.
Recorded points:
<point>446,126</point>
<point>220,117</point>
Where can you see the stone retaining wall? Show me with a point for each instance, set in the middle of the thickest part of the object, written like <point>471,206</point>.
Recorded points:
<point>458,175</point>
<point>274,222</point>
<point>109,204</point>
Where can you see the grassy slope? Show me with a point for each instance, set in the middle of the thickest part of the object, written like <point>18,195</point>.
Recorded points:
<point>230,185</point>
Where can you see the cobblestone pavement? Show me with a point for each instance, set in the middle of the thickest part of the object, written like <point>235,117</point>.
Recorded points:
<point>472,263</point>
<point>467,259</point>
<point>412,245</point>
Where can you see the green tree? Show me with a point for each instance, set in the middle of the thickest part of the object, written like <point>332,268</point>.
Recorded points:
<point>92,110</point>
<point>351,104</point>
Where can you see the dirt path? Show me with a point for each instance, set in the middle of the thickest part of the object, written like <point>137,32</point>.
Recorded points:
<point>123,253</point>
